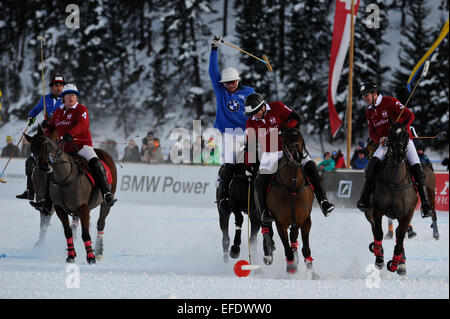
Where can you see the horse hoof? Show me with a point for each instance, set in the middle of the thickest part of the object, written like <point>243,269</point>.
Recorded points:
<point>226,258</point>
<point>379,266</point>
<point>291,267</point>
<point>234,251</point>
<point>268,260</point>
<point>401,270</point>
<point>391,267</point>
<point>91,261</point>
<point>70,260</point>
<point>99,257</point>
<point>389,235</point>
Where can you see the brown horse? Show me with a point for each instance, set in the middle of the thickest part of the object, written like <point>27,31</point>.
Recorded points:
<point>430,180</point>
<point>71,190</point>
<point>290,200</point>
<point>395,197</point>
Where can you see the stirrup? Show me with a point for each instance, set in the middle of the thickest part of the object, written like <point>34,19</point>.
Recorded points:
<point>326,207</point>
<point>362,206</point>
<point>223,204</point>
<point>426,212</point>
<point>109,199</point>
<point>40,206</point>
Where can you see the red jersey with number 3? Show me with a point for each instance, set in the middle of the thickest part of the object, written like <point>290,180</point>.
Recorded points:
<point>378,117</point>
<point>74,121</point>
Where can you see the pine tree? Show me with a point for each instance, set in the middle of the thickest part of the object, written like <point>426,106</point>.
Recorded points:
<point>254,33</point>
<point>437,106</point>
<point>308,43</point>
<point>418,40</point>
<point>369,46</point>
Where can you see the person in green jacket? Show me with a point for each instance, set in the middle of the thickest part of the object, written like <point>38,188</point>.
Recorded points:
<point>211,153</point>
<point>328,163</point>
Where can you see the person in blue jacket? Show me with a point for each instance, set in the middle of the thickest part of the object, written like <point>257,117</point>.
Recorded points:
<point>52,102</point>
<point>230,119</point>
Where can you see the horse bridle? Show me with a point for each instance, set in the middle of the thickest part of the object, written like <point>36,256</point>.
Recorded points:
<point>397,147</point>
<point>288,152</point>
<point>55,159</point>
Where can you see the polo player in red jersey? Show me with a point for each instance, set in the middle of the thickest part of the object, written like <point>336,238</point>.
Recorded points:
<point>71,122</point>
<point>381,110</point>
<point>268,119</point>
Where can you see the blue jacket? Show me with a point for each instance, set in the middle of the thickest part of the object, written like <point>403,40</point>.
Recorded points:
<point>361,163</point>
<point>230,107</point>
<point>51,104</point>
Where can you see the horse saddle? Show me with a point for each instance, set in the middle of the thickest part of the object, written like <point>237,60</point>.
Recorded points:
<point>84,168</point>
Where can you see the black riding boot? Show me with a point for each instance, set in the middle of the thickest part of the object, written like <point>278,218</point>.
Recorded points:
<point>99,172</point>
<point>312,173</point>
<point>29,192</point>
<point>372,166</point>
<point>260,185</point>
<point>30,163</point>
<point>45,206</point>
<point>419,177</point>
<point>225,175</point>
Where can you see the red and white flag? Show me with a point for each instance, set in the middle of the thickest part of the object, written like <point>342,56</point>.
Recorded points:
<point>339,47</point>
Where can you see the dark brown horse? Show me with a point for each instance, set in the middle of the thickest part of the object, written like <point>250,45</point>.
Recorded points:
<point>430,180</point>
<point>238,204</point>
<point>395,197</point>
<point>72,192</point>
<point>38,179</point>
<point>290,199</point>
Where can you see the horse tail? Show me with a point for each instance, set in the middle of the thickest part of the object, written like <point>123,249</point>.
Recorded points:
<point>109,161</point>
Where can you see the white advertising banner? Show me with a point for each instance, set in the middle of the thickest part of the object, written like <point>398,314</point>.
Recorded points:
<point>140,183</point>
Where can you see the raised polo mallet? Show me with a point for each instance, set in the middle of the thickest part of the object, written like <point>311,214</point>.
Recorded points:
<point>42,39</point>
<point>264,59</point>
<point>422,75</point>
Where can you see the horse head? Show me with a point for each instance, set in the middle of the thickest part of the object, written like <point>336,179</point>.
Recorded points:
<point>293,146</point>
<point>45,150</point>
<point>397,142</point>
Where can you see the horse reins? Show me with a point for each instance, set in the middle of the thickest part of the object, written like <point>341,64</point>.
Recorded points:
<point>296,165</point>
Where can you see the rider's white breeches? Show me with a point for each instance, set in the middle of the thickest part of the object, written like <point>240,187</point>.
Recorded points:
<point>411,153</point>
<point>87,152</point>
<point>269,161</point>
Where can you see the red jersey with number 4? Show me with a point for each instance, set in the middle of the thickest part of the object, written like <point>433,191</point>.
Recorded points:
<point>277,114</point>
<point>74,121</point>
<point>378,117</point>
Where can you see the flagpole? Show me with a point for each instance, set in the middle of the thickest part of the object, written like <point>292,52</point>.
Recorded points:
<point>350,87</point>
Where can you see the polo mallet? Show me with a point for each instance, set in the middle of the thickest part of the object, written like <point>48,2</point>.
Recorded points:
<point>42,39</point>
<point>12,154</point>
<point>422,75</point>
<point>243,268</point>
<point>264,59</point>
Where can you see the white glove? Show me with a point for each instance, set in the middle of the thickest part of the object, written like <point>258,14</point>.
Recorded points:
<point>216,41</point>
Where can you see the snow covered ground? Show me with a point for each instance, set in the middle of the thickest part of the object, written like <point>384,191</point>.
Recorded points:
<point>172,252</point>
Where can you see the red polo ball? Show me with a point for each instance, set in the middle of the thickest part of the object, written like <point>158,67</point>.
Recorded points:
<point>238,268</point>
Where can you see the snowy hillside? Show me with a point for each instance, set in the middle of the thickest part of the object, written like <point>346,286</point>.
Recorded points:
<point>175,113</point>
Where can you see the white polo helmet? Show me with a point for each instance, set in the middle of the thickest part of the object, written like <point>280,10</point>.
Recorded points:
<point>229,74</point>
<point>70,88</point>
